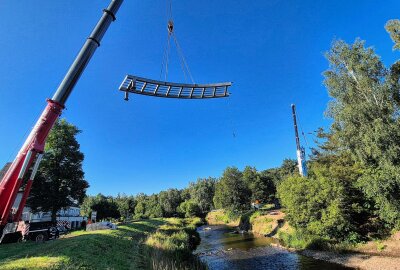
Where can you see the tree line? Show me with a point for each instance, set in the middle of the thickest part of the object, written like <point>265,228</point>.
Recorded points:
<point>234,190</point>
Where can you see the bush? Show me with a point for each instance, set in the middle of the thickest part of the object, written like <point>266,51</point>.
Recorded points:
<point>298,239</point>
<point>189,209</point>
<point>319,206</point>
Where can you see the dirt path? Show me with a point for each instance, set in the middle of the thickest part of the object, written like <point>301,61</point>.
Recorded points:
<point>358,261</point>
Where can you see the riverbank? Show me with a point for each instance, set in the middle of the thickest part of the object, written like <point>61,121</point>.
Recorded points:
<point>372,255</point>
<point>223,250</point>
<point>268,224</point>
<point>163,243</point>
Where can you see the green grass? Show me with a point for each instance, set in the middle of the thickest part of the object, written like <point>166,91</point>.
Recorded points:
<point>299,240</point>
<point>268,206</point>
<point>125,248</point>
<point>219,217</point>
<point>380,246</point>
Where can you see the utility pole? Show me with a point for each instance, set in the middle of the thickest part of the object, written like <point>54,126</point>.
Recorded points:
<point>301,155</point>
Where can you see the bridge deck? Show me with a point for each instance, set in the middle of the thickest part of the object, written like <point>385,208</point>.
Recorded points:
<point>143,86</point>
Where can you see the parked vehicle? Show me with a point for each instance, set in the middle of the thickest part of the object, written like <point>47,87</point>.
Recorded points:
<point>62,230</point>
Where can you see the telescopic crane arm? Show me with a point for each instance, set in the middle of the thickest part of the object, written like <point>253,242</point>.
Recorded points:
<point>301,157</point>
<point>31,152</point>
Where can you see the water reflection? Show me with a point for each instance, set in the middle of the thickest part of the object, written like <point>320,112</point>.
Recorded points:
<point>221,249</point>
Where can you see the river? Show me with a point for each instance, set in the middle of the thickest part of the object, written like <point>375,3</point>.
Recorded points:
<point>221,249</point>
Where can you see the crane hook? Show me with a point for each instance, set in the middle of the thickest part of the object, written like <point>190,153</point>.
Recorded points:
<point>170,27</point>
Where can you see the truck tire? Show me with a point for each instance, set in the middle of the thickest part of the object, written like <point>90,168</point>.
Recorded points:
<point>40,237</point>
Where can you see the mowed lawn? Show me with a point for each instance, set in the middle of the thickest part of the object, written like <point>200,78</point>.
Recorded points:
<point>103,249</point>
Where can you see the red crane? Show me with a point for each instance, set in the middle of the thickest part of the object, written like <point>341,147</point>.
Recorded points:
<point>30,154</point>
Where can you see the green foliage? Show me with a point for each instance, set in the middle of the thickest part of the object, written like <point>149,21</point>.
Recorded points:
<point>126,205</point>
<point>153,207</point>
<point>298,239</point>
<point>202,192</point>
<point>106,207</point>
<point>169,201</point>
<point>380,246</point>
<point>189,209</point>
<point>365,109</point>
<point>140,208</point>
<point>253,216</point>
<point>147,206</point>
<point>393,28</point>
<point>261,185</point>
<point>272,177</point>
<point>231,191</point>
<point>60,180</point>
<point>321,206</point>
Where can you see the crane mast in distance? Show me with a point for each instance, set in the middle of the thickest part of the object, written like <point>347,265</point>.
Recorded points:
<point>301,155</point>
<point>31,152</point>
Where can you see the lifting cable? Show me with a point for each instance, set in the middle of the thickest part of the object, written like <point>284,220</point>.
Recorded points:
<point>164,65</point>
<point>302,132</point>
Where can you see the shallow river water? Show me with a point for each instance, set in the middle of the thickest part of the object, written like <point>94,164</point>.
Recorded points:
<point>221,249</point>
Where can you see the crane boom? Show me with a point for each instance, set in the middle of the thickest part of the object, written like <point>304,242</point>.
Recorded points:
<point>301,159</point>
<point>31,152</point>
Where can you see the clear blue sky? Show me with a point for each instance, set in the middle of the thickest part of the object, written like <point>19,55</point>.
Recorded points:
<point>271,50</point>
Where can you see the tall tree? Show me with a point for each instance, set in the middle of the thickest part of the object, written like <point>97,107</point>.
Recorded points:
<point>140,208</point>
<point>60,181</point>
<point>169,201</point>
<point>231,192</point>
<point>202,193</point>
<point>365,110</point>
<point>256,185</point>
<point>126,205</point>
<point>105,206</point>
<point>153,207</point>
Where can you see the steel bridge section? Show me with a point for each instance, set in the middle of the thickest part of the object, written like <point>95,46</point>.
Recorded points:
<point>143,86</point>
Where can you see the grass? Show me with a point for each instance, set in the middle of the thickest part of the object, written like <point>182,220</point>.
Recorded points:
<point>131,246</point>
<point>262,225</point>
<point>223,217</point>
<point>380,246</point>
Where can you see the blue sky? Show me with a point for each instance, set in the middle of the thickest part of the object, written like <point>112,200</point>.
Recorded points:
<point>271,50</point>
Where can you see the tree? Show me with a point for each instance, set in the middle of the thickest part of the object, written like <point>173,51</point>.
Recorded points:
<point>169,201</point>
<point>268,184</point>
<point>153,207</point>
<point>189,209</point>
<point>365,109</point>
<point>185,194</point>
<point>126,205</point>
<point>393,28</point>
<point>140,208</point>
<point>260,184</point>
<point>60,180</point>
<point>106,207</point>
<point>231,192</point>
<point>288,168</point>
<point>327,203</point>
<point>202,193</point>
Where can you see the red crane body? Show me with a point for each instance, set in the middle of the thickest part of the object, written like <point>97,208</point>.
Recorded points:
<point>33,146</point>
<point>31,152</point>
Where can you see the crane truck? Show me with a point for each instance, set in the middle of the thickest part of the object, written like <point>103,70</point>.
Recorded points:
<point>12,229</point>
